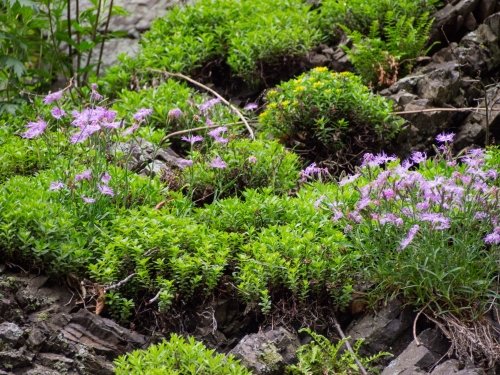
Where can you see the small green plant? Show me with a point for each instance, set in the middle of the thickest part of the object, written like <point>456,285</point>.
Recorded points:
<point>324,357</point>
<point>389,51</point>
<point>333,114</point>
<point>178,356</point>
<point>230,168</point>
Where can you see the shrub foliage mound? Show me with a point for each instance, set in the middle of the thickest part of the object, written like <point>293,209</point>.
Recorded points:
<point>332,115</point>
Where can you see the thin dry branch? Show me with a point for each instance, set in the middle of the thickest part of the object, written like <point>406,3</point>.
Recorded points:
<point>120,283</point>
<point>213,92</point>
<point>348,345</point>
<point>466,109</point>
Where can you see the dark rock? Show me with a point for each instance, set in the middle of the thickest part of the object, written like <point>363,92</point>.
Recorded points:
<point>55,362</point>
<point>36,338</point>
<point>267,352</point>
<point>12,359</point>
<point>10,333</point>
<point>382,330</point>
<point>101,334</point>
<point>473,129</point>
<point>452,366</point>
<point>485,9</point>
<point>419,358</point>
<point>449,20</point>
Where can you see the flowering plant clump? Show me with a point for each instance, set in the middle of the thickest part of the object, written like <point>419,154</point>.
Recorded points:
<point>429,227</point>
<point>86,177</point>
<point>333,114</point>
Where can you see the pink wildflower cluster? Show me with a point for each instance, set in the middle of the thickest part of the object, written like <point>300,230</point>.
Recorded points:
<point>402,197</point>
<point>312,172</point>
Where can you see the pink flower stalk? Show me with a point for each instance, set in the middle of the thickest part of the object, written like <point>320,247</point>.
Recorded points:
<point>52,97</point>
<point>311,171</point>
<point>130,129</point>
<point>83,134</point>
<point>94,95</point>
<point>142,113</point>
<point>85,175</point>
<point>438,221</point>
<point>252,159</point>
<point>409,237</point>
<point>388,194</point>
<point>56,185</point>
<point>57,113</point>
<point>106,190</point>
<point>192,139</point>
<point>218,163</point>
<point>34,129</point>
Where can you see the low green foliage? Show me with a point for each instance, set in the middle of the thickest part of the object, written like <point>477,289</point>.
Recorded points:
<point>242,34</point>
<point>168,96</point>
<point>247,165</point>
<point>324,357</point>
<point>333,114</point>
<point>178,356</point>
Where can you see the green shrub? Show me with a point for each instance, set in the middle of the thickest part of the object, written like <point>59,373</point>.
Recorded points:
<point>333,114</point>
<point>178,356</point>
<point>390,48</point>
<point>324,357</point>
<point>244,164</point>
<point>242,34</point>
<point>167,253</point>
<point>38,230</point>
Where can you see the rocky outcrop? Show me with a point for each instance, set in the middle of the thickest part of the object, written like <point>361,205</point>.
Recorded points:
<point>43,332</point>
<point>455,78</point>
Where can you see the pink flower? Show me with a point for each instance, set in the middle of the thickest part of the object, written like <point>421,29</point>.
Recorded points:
<point>56,185</point>
<point>184,163</point>
<point>52,97</point>
<point>216,134</point>
<point>493,238</point>
<point>85,175</point>
<point>418,157</point>
<point>105,178</point>
<point>218,163</point>
<point>142,113</point>
<point>34,129</point>
<point>130,129</point>
<point>88,200</point>
<point>84,133</point>
<point>347,180</point>
<point>174,113</point>
<point>251,106</point>
<point>94,95</point>
<point>409,237</point>
<point>445,137</point>
<point>192,139</point>
<point>57,113</point>
<point>205,106</point>
<point>252,159</point>
<point>105,190</point>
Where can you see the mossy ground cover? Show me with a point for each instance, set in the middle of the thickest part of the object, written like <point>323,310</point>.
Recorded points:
<point>240,217</point>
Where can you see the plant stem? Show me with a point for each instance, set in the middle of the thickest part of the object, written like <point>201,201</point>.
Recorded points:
<point>104,37</point>
<point>78,40</point>
<point>94,36</point>
<point>70,49</point>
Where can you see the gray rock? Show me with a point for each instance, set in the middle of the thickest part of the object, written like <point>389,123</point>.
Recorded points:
<point>41,370</point>
<point>452,367</point>
<point>13,359</point>
<point>419,358</point>
<point>10,333</point>
<point>473,129</point>
<point>55,361</point>
<point>449,20</point>
<point>267,352</point>
<point>440,83</point>
<point>36,338</point>
<point>381,330</point>
<point>154,168</point>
